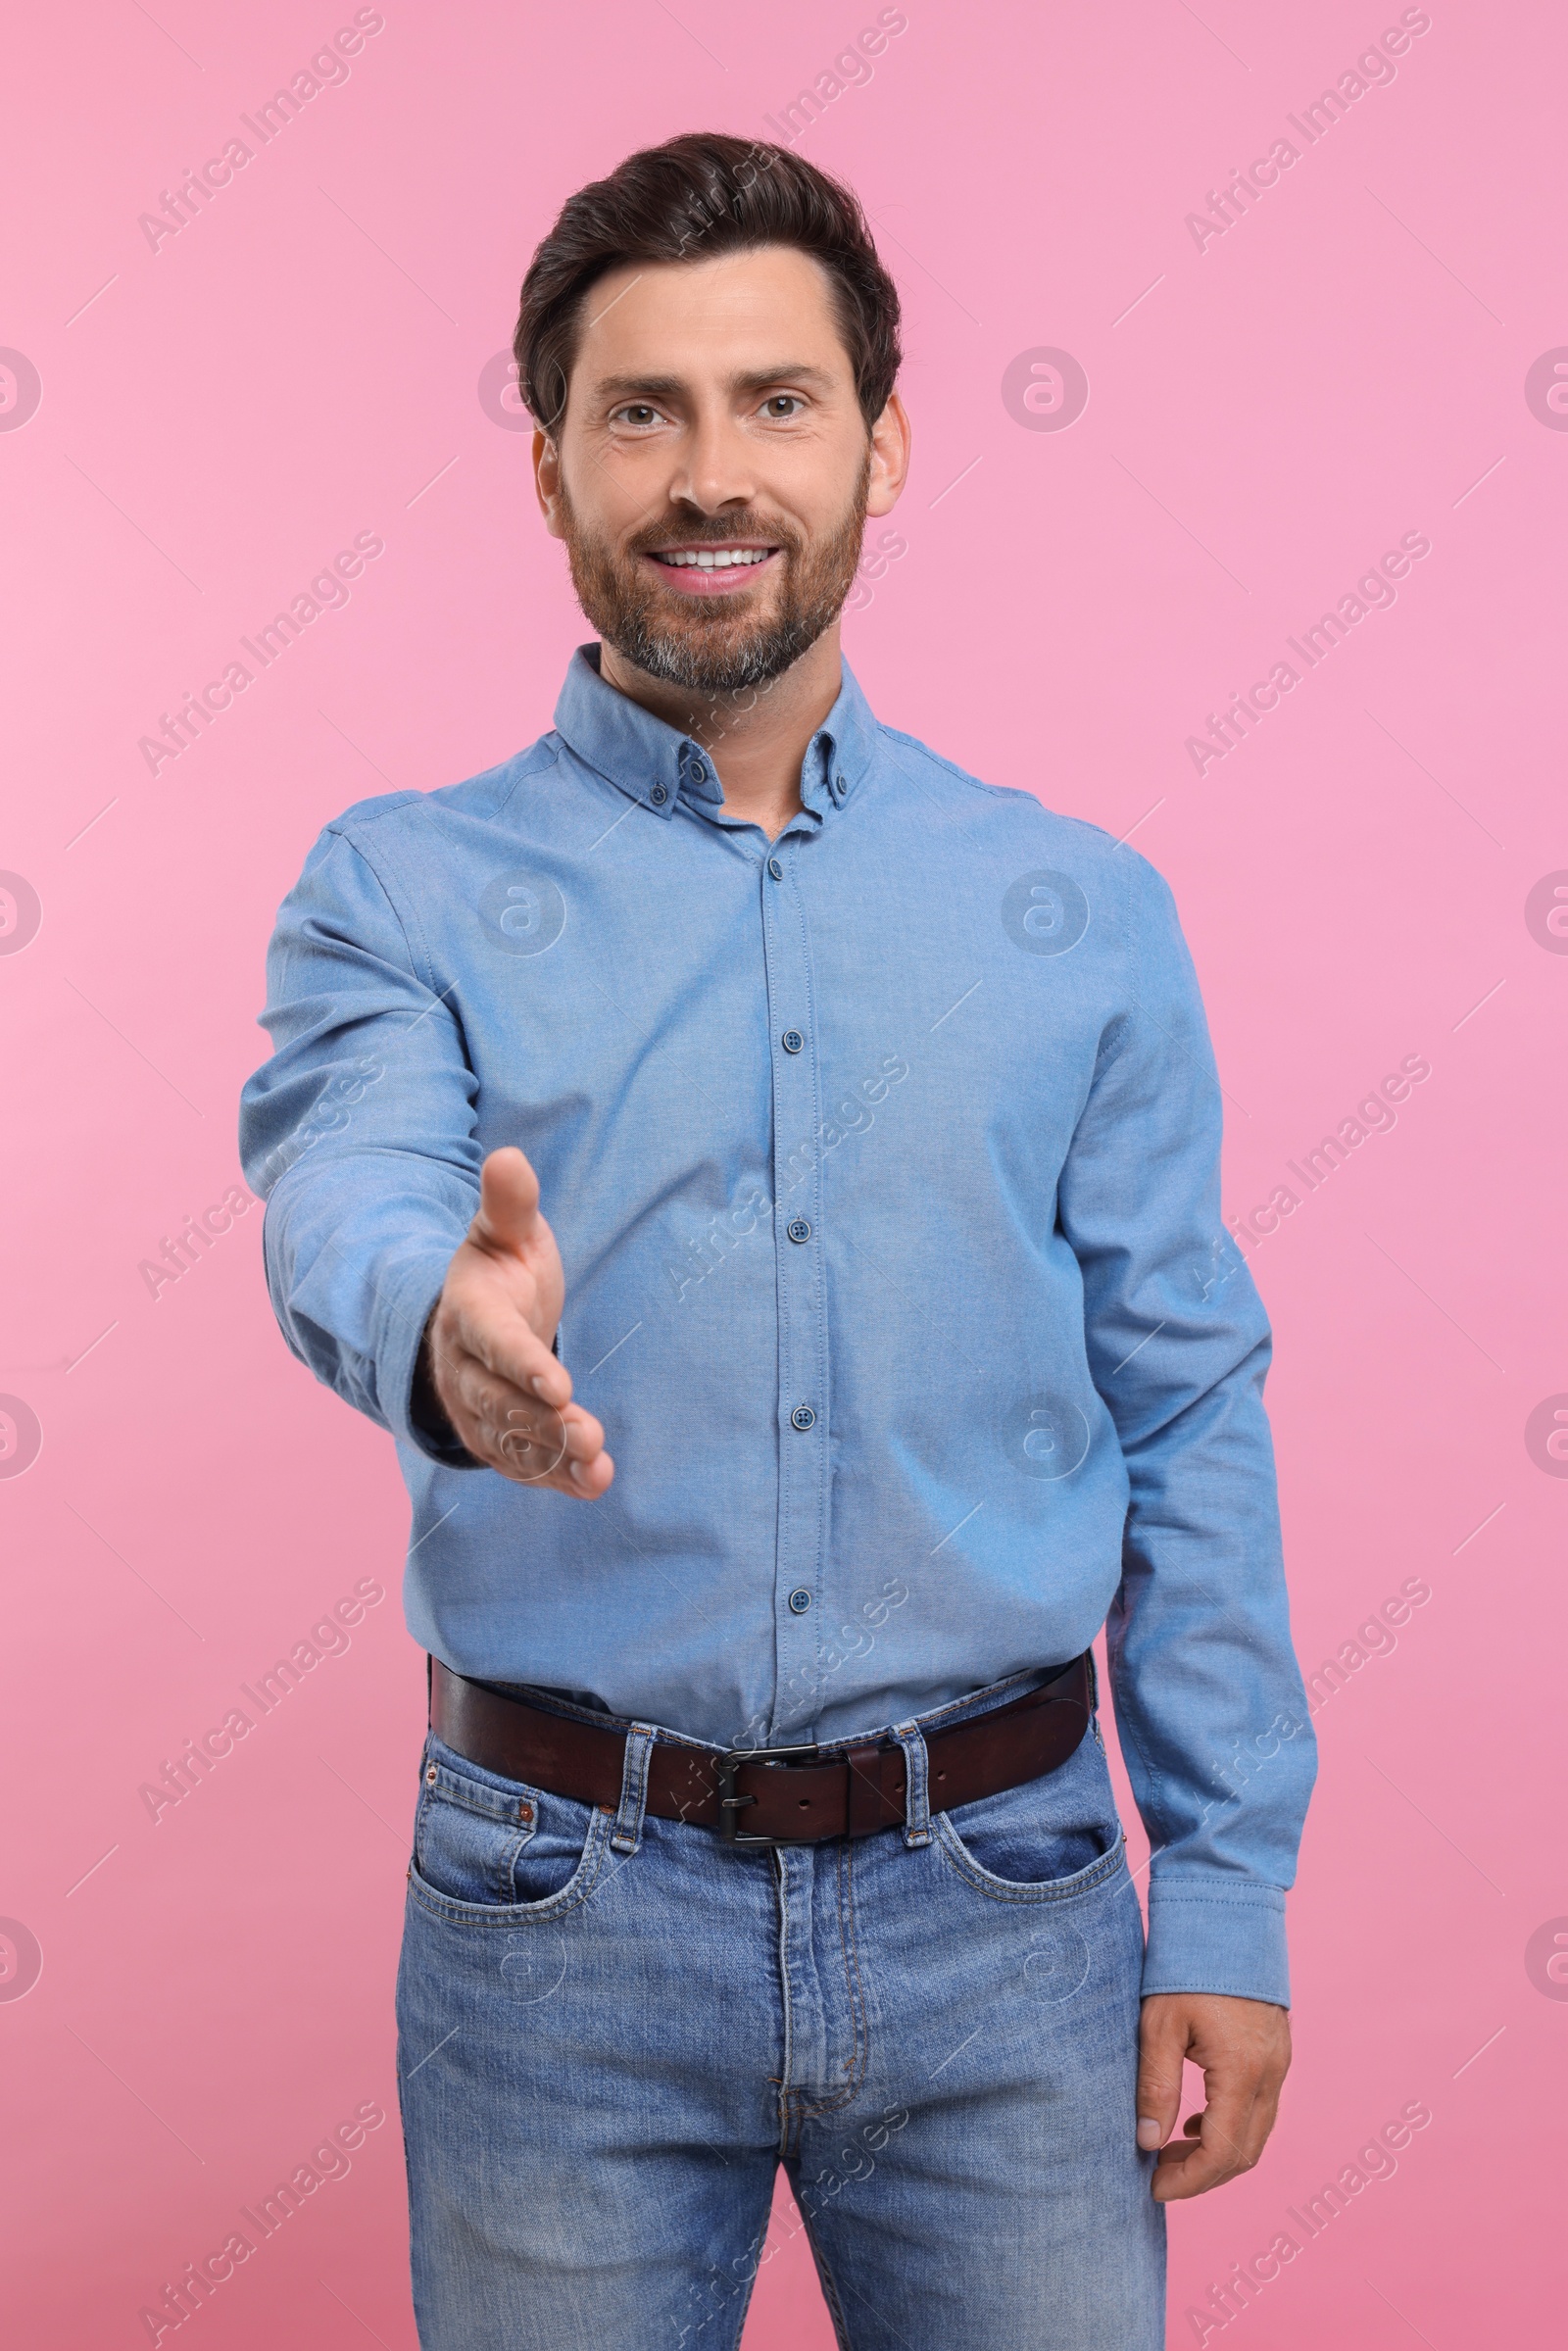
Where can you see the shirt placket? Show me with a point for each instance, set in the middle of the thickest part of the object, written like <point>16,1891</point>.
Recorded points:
<point>802,1359</point>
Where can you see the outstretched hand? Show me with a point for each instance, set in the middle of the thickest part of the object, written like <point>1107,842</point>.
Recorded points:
<point>1244,2047</point>
<point>489,1340</point>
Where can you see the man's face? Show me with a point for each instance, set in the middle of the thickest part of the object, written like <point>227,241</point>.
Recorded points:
<point>712,474</point>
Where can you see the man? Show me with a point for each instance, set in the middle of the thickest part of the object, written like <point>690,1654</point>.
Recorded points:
<point>885,1317</point>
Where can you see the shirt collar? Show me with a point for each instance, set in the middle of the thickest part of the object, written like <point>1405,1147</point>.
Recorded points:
<point>655,765</point>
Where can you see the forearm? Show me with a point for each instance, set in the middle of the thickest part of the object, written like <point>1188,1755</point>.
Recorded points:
<point>1209,1700</point>
<point>357,1250</point>
<point>1208,1696</point>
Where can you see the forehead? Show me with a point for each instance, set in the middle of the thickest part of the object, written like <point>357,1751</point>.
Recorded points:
<point>710,317</point>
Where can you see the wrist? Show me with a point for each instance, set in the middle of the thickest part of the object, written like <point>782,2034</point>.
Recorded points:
<point>426,1413</point>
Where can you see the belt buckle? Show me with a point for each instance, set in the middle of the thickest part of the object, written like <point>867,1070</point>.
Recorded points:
<point>731,1804</point>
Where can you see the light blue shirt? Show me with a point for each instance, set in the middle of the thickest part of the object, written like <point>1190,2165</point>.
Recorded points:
<point>884,1161</point>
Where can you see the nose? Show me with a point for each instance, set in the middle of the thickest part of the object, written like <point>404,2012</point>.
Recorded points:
<point>715,467</point>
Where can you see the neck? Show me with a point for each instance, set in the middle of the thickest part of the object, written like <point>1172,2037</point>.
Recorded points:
<point>757,738</point>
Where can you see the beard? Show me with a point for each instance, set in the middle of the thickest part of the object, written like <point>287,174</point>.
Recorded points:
<point>715,646</point>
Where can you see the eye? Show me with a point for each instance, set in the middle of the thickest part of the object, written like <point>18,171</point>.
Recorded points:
<point>781,407</point>
<point>637,413</point>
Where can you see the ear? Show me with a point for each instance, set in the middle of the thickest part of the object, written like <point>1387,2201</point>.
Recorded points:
<point>547,482</point>
<point>890,440</point>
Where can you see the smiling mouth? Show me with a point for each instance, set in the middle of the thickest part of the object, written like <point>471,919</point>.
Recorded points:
<point>707,570</point>
<point>713,558</point>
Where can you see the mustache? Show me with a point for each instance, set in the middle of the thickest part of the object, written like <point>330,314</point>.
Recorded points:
<point>709,531</point>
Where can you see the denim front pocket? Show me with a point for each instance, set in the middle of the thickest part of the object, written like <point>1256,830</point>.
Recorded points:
<point>1046,1838</point>
<point>493,1842</point>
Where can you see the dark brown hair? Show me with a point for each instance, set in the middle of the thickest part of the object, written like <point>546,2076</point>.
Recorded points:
<point>698,195</point>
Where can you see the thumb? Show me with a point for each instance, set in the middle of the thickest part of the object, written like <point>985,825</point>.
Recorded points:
<point>1161,2048</point>
<point>509,1216</point>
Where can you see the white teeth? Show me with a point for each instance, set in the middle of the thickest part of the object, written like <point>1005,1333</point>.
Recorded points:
<point>721,559</point>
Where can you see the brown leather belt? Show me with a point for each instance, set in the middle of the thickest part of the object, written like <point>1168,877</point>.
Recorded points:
<point>766,1795</point>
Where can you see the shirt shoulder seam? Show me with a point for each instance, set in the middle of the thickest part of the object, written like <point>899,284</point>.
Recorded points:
<point>998,791</point>
<point>344,829</point>
<point>950,766</point>
<point>540,755</point>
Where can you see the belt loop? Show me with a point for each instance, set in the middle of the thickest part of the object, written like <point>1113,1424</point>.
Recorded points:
<point>917,1797</point>
<point>627,1832</point>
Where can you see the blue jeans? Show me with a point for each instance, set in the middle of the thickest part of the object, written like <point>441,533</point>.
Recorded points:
<point>613,2029</point>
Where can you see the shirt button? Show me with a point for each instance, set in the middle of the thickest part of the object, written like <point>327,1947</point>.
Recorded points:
<point>803,1417</point>
<point>791,1041</point>
<point>658,795</point>
<point>798,1229</point>
<point>698,773</point>
<point>800,1600</point>
<point>775,869</point>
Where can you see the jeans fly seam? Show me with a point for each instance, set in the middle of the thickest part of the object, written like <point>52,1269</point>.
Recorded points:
<point>786,2108</point>
<point>812,2109</point>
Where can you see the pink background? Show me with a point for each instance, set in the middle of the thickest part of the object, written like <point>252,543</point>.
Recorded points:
<point>1267,415</point>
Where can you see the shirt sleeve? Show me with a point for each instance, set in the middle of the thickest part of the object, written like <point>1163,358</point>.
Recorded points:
<point>360,1135</point>
<point>1209,1700</point>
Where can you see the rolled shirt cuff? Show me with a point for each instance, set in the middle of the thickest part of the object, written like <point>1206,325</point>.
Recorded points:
<point>1214,1932</point>
<point>405,1310</point>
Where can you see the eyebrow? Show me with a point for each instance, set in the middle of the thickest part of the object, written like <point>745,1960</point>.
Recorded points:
<point>751,379</point>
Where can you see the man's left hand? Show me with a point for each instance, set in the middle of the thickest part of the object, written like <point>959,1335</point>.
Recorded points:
<point>1244,2047</point>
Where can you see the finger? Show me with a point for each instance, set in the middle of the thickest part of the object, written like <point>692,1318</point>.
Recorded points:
<point>509,1202</point>
<point>490,1331</point>
<point>530,1443</point>
<point>1161,2047</point>
<point>1219,2151</point>
<point>583,1479</point>
<point>496,1404</point>
<point>1260,2121</point>
<point>564,1479</point>
<point>588,1480</point>
<point>514,1429</point>
<point>527,1453</point>
<point>1177,2150</point>
<point>537,1441</point>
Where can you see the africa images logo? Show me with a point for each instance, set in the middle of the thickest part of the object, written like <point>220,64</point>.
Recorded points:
<point>20,912</point>
<point>21,390</point>
<point>1545,388</point>
<point>1546,1958</point>
<point>1045,390</point>
<point>1045,913</point>
<point>523,913</point>
<point>1048,1438</point>
<point>21,1960</point>
<point>20,1436</point>
<point>501,393</point>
